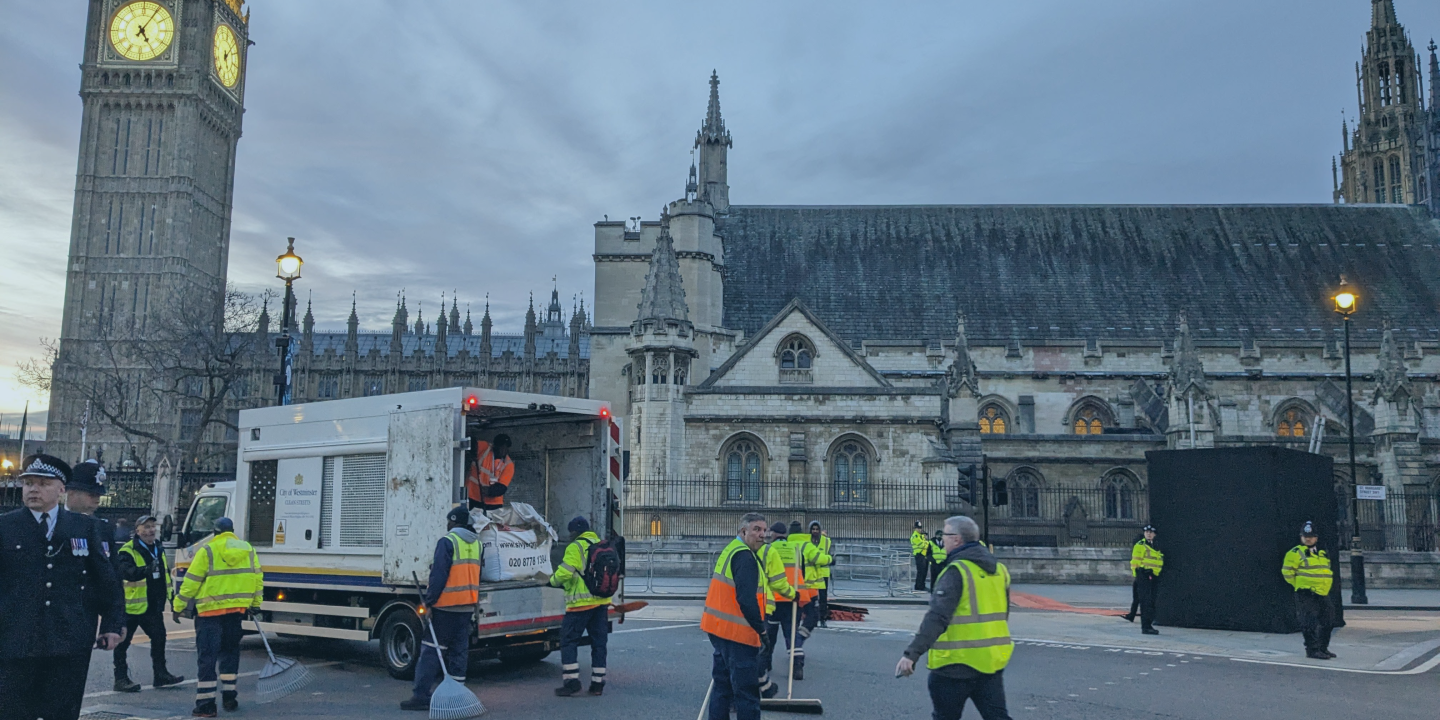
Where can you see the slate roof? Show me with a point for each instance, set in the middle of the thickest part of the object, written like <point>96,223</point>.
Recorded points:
<point>498,344</point>
<point>1069,272</point>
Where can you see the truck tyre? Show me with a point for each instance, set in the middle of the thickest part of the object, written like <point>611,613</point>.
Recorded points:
<point>400,644</point>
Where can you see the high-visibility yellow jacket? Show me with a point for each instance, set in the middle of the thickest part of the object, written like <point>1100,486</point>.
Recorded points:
<point>570,574</point>
<point>979,633</point>
<point>223,577</point>
<point>136,600</point>
<point>1144,556</point>
<point>1308,569</point>
<point>919,544</point>
<point>937,552</point>
<point>801,560</point>
<point>826,546</point>
<point>776,582</point>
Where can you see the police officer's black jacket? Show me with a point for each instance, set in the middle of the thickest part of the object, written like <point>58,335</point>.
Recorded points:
<point>53,591</point>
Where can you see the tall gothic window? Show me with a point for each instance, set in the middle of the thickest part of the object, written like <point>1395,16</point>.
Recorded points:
<point>1122,495</point>
<point>1292,424</point>
<point>1400,81</point>
<point>1089,419</point>
<point>1024,487</point>
<point>743,468</point>
<point>993,421</point>
<point>1384,84</point>
<point>796,357</point>
<point>1379,180</point>
<point>682,370</point>
<point>852,473</point>
<point>659,370</point>
<point>1396,194</point>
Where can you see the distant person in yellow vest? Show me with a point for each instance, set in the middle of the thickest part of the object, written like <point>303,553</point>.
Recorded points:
<point>966,631</point>
<point>490,473</point>
<point>451,596</point>
<point>775,581</point>
<point>826,546</point>
<point>1146,562</point>
<point>920,548</point>
<point>222,586</point>
<point>1307,570</point>
<point>734,618</point>
<point>585,614</point>
<point>145,578</point>
<point>937,557</point>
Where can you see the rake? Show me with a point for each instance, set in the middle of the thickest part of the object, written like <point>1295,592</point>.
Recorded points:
<point>281,676</point>
<point>789,703</point>
<point>451,700</point>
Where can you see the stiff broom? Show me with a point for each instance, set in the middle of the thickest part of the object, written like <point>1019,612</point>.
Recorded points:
<point>281,676</point>
<point>789,703</point>
<point>451,700</point>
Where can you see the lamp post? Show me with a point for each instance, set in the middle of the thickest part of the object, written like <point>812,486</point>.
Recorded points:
<point>287,268</point>
<point>1345,300</point>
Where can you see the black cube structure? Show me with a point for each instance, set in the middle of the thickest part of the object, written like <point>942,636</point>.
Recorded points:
<point>1225,519</point>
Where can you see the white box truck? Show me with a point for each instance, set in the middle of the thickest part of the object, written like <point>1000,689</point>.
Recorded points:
<point>345,499</point>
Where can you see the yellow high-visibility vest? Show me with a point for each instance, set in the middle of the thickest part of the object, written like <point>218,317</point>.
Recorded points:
<point>1309,570</point>
<point>224,575</point>
<point>136,601</point>
<point>979,633</point>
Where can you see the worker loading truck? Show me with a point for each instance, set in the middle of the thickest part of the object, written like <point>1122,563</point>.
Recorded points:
<point>343,501</point>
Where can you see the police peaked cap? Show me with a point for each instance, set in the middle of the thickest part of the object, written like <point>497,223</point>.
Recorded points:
<point>42,465</point>
<point>88,476</point>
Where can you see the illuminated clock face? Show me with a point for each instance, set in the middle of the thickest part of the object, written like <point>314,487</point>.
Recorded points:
<point>141,30</point>
<point>227,56</point>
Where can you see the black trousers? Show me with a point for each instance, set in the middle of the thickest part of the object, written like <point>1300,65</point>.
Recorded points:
<point>594,622</point>
<point>43,687</point>
<point>217,643</point>
<point>733,670</point>
<point>153,623</point>
<point>453,630</point>
<point>825,601</point>
<point>948,696</point>
<point>1143,590</point>
<point>1316,620</point>
<point>922,565</point>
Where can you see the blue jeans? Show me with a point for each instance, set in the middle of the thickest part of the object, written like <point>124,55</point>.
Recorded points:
<point>736,680</point>
<point>217,641</point>
<point>948,696</point>
<point>453,631</point>
<point>594,621</point>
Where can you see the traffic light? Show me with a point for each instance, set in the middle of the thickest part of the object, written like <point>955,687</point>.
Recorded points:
<point>968,487</point>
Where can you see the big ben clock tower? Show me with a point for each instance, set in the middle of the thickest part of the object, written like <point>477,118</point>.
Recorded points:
<point>162,88</point>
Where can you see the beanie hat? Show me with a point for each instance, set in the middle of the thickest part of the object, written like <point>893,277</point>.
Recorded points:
<point>224,524</point>
<point>459,515</point>
<point>779,529</point>
<point>795,527</point>
<point>578,525</point>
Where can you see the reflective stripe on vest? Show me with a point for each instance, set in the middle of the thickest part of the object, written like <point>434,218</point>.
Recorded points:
<point>1144,556</point>
<point>776,583</point>
<point>136,602</point>
<point>462,587</point>
<point>793,555</point>
<point>826,546</point>
<point>1305,571</point>
<point>979,633</point>
<point>722,616</point>
<point>221,586</point>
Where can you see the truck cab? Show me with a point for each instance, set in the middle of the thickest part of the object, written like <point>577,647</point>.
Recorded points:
<point>344,501</point>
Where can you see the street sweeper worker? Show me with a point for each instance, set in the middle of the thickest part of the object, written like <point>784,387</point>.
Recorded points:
<point>966,631</point>
<point>734,618</point>
<point>451,596</point>
<point>777,590</point>
<point>800,559</point>
<point>584,613</point>
<point>223,584</point>
<point>821,581</point>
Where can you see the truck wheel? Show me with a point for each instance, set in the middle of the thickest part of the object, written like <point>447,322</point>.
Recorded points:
<point>400,644</point>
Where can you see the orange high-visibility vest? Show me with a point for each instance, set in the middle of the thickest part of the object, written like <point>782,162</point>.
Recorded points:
<point>462,587</point>
<point>723,617</point>
<point>793,554</point>
<point>486,471</point>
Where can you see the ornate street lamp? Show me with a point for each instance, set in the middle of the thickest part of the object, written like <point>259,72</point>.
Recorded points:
<point>1345,301</point>
<point>287,268</point>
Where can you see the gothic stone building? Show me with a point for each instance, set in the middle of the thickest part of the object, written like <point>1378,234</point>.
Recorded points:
<point>161,120</point>
<point>845,363</point>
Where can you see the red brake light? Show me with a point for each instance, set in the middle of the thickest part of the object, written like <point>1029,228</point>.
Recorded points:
<point>471,402</point>
<point>604,412</point>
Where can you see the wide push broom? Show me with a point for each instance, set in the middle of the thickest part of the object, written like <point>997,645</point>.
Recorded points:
<point>281,676</point>
<point>790,703</point>
<point>451,700</point>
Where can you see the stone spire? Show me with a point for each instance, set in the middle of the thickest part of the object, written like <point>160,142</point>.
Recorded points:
<point>713,142</point>
<point>485,347</point>
<point>441,330</point>
<point>1434,79</point>
<point>420,319</point>
<point>530,329</point>
<point>352,330</point>
<point>262,329</point>
<point>468,328</point>
<point>397,326</point>
<point>577,325</point>
<point>962,374</point>
<point>1392,378</point>
<point>1382,13</point>
<point>307,326</point>
<point>454,314</point>
<point>663,297</point>
<point>1187,372</point>
<point>403,313</point>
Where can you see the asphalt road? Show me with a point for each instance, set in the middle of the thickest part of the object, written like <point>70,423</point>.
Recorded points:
<point>659,669</point>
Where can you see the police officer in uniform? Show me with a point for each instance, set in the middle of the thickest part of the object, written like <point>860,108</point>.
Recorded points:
<point>82,495</point>
<point>145,580</point>
<point>966,631</point>
<point>55,585</point>
<point>1307,570</point>
<point>451,598</point>
<point>920,548</point>
<point>1146,562</point>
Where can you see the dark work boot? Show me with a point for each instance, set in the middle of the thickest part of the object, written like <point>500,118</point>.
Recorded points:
<point>1129,617</point>
<point>163,678</point>
<point>230,700</point>
<point>415,703</point>
<point>597,688</point>
<point>123,683</point>
<point>1150,631</point>
<point>569,688</point>
<point>204,709</point>
<point>800,668</point>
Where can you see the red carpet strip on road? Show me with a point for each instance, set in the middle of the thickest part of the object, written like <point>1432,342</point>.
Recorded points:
<point>1038,602</point>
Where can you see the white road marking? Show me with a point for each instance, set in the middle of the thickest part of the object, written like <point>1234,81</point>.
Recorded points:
<point>1427,666</point>
<point>663,627</point>
<point>107,693</point>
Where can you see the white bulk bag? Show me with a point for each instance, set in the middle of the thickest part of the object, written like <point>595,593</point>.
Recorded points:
<point>515,543</point>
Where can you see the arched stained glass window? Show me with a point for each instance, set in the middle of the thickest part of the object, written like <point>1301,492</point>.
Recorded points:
<point>743,465</point>
<point>993,421</point>
<point>852,472</point>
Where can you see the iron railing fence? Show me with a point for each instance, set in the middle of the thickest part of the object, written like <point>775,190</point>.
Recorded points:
<point>1402,521</point>
<point>128,492</point>
<point>882,509</point>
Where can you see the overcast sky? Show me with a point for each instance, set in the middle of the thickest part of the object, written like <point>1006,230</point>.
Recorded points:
<point>471,145</point>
